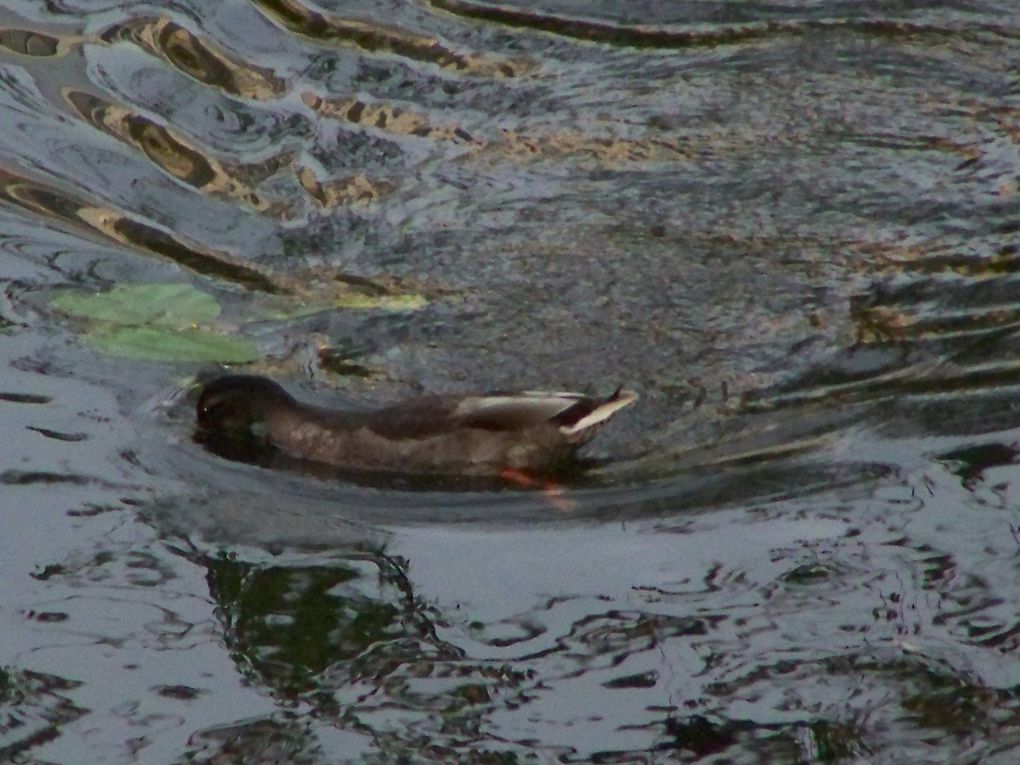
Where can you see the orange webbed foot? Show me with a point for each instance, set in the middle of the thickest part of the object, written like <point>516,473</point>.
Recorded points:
<point>553,492</point>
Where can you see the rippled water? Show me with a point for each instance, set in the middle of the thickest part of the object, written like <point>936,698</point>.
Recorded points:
<point>793,227</point>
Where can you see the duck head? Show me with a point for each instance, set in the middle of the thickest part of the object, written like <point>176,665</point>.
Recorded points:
<point>237,405</point>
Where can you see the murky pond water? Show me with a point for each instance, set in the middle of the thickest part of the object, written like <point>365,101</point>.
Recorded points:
<point>791,226</point>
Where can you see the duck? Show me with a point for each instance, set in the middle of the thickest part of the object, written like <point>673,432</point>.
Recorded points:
<point>487,434</point>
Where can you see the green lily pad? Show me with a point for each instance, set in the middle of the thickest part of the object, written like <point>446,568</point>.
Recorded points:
<point>155,322</point>
<point>168,344</point>
<point>159,305</point>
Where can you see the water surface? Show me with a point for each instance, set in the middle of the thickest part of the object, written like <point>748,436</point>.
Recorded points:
<point>792,227</point>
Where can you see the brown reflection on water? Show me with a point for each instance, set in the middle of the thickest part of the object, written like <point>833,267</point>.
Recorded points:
<point>883,324</point>
<point>391,119</point>
<point>983,262</point>
<point>373,37</point>
<point>173,154</point>
<point>355,191</point>
<point>503,143</point>
<point>194,56</point>
<point>940,331</point>
<point>609,151</point>
<point>85,217</point>
<point>638,36</point>
<point>945,292</point>
<point>324,286</point>
<point>199,58</point>
<point>653,36</point>
<point>27,42</point>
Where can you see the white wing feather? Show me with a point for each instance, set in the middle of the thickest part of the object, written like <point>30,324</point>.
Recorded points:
<point>544,405</point>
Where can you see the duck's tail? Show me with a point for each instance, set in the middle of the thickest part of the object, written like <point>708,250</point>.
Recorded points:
<point>583,420</point>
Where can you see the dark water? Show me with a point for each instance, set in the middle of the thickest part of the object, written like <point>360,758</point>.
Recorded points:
<point>793,227</point>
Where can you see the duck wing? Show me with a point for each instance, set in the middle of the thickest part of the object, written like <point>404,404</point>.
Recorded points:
<point>516,411</point>
<point>575,414</point>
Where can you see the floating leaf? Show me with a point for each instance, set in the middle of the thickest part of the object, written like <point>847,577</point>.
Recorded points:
<point>409,301</point>
<point>160,305</point>
<point>156,322</point>
<point>168,344</point>
<point>288,309</point>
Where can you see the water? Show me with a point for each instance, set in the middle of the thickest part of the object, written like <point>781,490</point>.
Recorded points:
<point>792,227</point>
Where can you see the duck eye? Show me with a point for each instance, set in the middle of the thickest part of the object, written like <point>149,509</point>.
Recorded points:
<point>209,406</point>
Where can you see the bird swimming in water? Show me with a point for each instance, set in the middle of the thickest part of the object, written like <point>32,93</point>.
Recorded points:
<point>487,434</point>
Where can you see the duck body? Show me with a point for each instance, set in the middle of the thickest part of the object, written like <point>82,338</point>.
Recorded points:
<point>441,434</point>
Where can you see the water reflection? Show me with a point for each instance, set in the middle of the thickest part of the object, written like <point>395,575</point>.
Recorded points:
<point>296,626</point>
<point>35,708</point>
<point>172,153</point>
<point>86,218</point>
<point>198,57</point>
<point>679,645</point>
<point>789,227</point>
<point>376,37</point>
